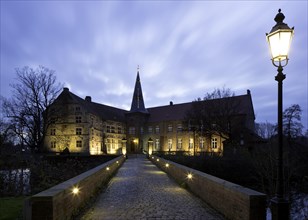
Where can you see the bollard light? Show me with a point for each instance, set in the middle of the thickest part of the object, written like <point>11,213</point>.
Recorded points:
<point>75,190</point>
<point>189,176</point>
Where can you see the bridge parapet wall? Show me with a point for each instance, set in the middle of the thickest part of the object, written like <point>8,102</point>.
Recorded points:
<point>59,202</point>
<point>231,200</point>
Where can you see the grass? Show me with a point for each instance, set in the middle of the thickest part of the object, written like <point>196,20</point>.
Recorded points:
<point>11,207</point>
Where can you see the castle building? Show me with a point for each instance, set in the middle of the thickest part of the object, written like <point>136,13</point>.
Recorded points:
<point>85,127</point>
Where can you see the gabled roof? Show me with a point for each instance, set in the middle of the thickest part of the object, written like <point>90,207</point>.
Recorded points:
<point>104,111</point>
<point>172,112</point>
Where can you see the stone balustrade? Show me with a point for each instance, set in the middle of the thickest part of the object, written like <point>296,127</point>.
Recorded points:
<point>65,199</point>
<point>231,200</point>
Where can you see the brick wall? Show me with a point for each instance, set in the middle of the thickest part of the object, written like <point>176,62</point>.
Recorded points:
<point>59,202</point>
<point>231,200</point>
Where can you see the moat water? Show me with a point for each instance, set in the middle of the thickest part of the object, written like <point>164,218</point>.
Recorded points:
<point>15,181</point>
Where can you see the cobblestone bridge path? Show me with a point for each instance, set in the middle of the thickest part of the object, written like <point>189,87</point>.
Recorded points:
<point>140,190</point>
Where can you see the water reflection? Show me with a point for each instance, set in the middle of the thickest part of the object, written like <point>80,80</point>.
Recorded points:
<point>15,181</point>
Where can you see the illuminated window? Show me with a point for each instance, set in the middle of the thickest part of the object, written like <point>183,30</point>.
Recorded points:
<point>53,144</point>
<point>157,145</point>
<point>108,145</point>
<point>170,128</point>
<point>214,143</point>
<point>179,146</point>
<point>157,129</point>
<point>78,143</point>
<point>131,130</point>
<point>179,128</point>
<point>150,129</point>
<point>112,144</point>
<point>53,131</point>
<point>78,131</point>
<point>78,119</point>
<point>169,144</point>
<point>201,143</point>
<point>191,142</point>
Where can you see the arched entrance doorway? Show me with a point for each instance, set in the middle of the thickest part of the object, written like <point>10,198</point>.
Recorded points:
<point>134,145</point>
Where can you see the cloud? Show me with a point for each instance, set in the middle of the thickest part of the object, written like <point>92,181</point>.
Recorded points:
<point>184,49</point>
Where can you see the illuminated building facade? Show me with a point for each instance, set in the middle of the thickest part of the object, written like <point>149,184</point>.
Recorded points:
<point>86,127</point>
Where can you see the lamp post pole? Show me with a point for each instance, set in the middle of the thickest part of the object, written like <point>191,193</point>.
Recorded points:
<point>279,40</point>
<point>280,206</point>
<point>280,182</point>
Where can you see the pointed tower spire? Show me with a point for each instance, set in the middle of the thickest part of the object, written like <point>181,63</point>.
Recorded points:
<point>137,102</point>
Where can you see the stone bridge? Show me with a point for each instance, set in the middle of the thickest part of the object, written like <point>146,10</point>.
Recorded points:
<point>141,190</point>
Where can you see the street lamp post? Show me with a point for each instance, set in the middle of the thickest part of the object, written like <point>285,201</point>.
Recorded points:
<point>279,40</point>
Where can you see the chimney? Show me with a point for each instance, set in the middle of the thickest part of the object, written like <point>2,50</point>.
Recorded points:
<point>171,103</point>
<point>65,89</point>
<point>248,92</point>
<point>88,99</point>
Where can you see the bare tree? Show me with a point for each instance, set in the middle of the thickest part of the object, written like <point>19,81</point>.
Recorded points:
<point>213,113</point>
<point>34,91</point>
<point>265,130</point>
<point>6,136</point>
<point>219,94</point>
<point>292,121</point>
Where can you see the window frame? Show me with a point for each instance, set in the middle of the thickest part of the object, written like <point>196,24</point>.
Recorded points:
<point>78,131</point>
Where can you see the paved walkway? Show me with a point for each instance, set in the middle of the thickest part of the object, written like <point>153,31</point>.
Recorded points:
<point>141,191</point>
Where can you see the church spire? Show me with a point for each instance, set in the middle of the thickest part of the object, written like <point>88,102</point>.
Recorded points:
<point>137,102</point>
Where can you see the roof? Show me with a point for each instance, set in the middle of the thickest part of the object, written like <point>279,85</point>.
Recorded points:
<point>178,111</point>
<point>138,102</point>
<point>169,112</point>
<point>104,111</point>
<point>172,112</point>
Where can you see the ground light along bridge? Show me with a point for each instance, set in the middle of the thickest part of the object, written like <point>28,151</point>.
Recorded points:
<point>141,189</point>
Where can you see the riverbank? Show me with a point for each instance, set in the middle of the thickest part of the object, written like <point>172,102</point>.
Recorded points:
<point>11,207</point>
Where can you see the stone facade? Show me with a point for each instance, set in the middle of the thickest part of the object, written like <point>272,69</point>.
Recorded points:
<point>82,126</point>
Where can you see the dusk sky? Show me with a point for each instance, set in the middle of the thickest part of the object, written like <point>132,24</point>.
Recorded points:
<point>184,49</point>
